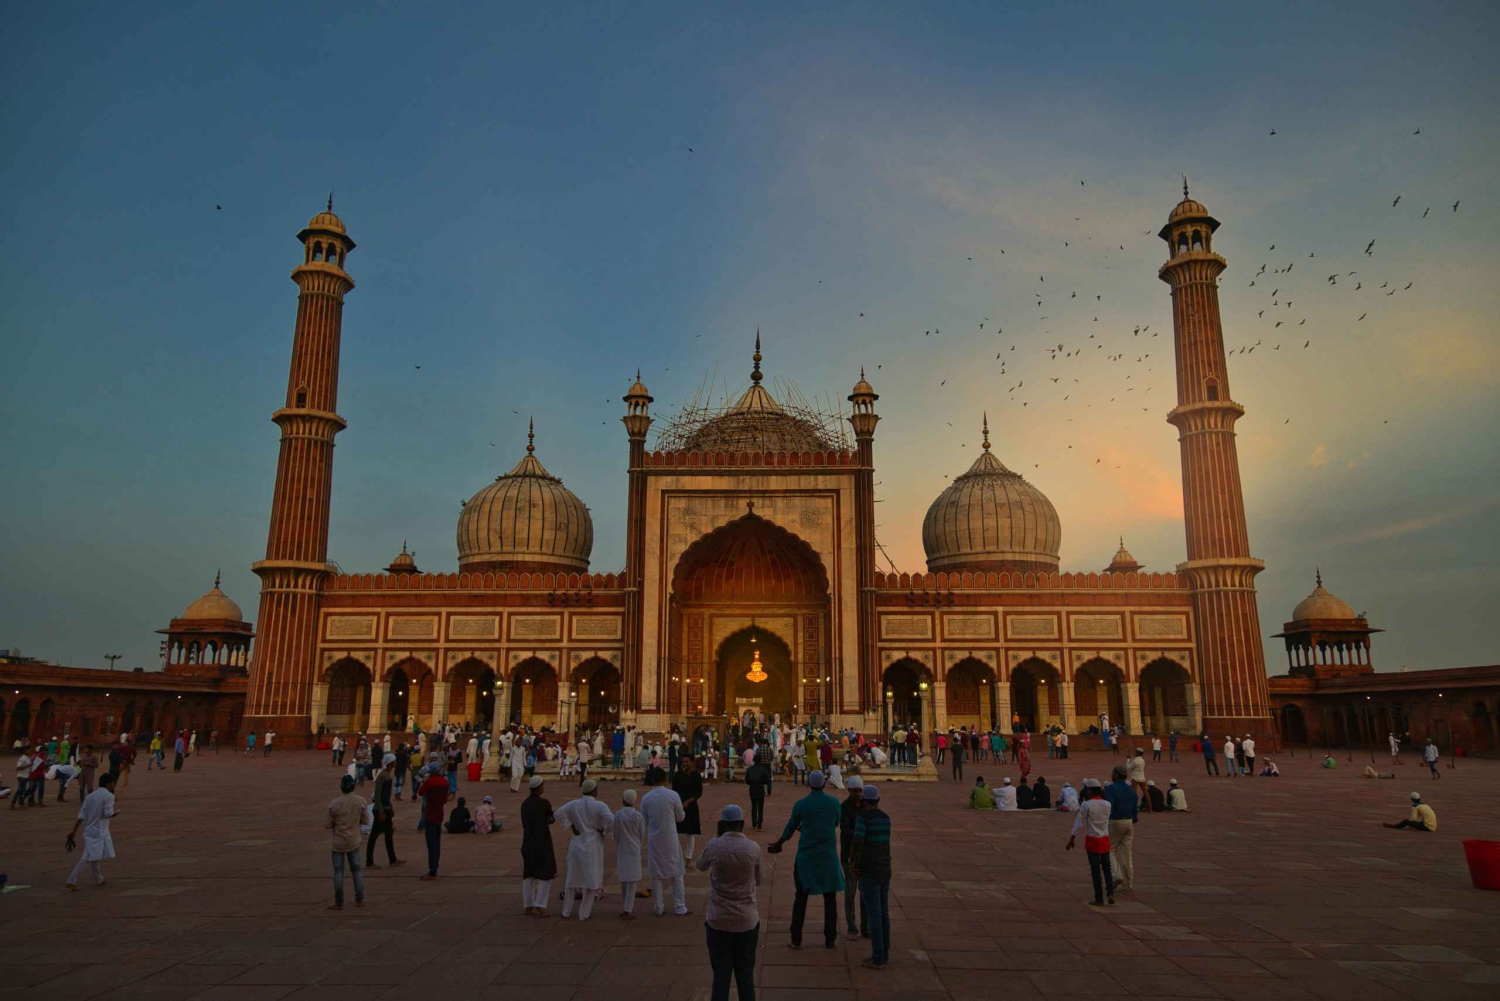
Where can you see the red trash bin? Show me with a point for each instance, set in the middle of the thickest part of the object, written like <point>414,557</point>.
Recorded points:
<point>473,771</point>
<point>1484,863</point>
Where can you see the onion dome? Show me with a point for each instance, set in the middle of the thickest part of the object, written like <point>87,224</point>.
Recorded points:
<point>1188,209</point>
<point>639,390</point>
<point>1123,562</point>
<point>757,423</point>
<point>404,562</point>
<point>214,605</point>
<point>990,518</point>
<point>863,387</point>
<point>1322,605</point>
<point>526,520</point>
<point>326,222</point>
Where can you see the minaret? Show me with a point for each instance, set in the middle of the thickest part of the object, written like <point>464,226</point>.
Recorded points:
<point>283,669</point>
<point>1231,661</point>
<point>864,418</point>
<point>637,422</point>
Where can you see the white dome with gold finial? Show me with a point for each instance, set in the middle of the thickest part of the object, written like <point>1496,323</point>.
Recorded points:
<point>1322,605</point>
<point>525,521</point>
<point>214,605</point>
<point>990,518</point>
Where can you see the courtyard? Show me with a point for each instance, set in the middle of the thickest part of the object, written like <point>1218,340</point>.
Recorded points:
<point>1268,888</point>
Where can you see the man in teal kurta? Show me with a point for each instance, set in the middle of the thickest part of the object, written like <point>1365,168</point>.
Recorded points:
<point>817,869</point>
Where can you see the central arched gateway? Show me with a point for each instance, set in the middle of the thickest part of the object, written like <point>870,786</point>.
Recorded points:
<point>750,586</point>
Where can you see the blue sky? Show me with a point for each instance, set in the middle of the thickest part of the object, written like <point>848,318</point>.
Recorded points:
<point>532,228</point>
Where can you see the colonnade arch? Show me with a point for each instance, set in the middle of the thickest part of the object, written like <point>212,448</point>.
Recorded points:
<point>970,696</point>
<point>597,683</point>
<point>1036,693</point>
<point>533,696</point>
<point>907,688</point>
<point>1097,691</point>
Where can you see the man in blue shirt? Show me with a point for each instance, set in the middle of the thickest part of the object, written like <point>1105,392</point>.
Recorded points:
<point>617,747</point>
<point>1124,810</point>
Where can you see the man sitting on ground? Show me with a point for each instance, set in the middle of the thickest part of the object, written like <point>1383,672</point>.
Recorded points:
<point>1422,817</point>
<point>980,797</point>
<point>459,821</point>
<point>1007,797</point>
<point>1176,798</point>
<point>1041,796</point>
<point>1024,795</point>
<point>1158,801</point>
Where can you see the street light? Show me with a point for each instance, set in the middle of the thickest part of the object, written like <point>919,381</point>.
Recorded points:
<point>112,657</point>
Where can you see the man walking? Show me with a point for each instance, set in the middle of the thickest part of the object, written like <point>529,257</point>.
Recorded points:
<point>1395,748</point>
<point>1210,765</point>
<point>663,811</point>
<point>1137,770</point>
<point>434,793</point>
<point>732,862</point>
<point>1230,766</point>
<point>1430,755</point>
<point>270,736</point>
<point>385,816</point>
<point>1093,820</point>
<point>758,782</point>
<point>94,816</point>
<point>871,854</point>
<point>848,814</point>
<point>1155,747</point>
<point>1124,810</point>
<point>344,815</point>
<point>1248,746</point>
<point>817,869</point>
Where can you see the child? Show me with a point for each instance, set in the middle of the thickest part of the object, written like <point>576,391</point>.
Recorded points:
<point>485,821</point>
<point>459,821</point>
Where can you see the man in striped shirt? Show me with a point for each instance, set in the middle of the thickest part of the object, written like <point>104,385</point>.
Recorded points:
<point>870,861</point>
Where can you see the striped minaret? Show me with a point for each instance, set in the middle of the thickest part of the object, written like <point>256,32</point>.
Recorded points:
<point>1231,669</point>
<point>291,576</point>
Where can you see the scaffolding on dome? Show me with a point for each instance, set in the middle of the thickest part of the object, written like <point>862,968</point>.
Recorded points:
<point>757,421</point>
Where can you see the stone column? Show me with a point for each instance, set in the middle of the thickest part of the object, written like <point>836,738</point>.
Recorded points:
<point>1002,707</point>
<point>1194,708</point>
<point>319,704</point>
<point>940,706</point>
<point>1068,703</point>
<point>439,702</point>
<point>1130,700</point>
<point>378,693</point>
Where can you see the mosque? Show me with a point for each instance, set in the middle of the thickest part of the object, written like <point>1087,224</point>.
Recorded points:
<point>750,583</point>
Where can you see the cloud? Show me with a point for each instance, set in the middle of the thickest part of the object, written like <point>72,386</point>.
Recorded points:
<point>1319,457</point>
<point>1424,523</point>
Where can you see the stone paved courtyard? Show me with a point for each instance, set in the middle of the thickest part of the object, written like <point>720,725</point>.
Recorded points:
<point>1284,888</point>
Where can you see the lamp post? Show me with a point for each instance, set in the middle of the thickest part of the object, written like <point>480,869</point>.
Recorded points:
<point>112,657</point>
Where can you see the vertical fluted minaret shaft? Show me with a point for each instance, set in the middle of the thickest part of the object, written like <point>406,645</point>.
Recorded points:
<point>1231,661</point>
<point>284,667</point>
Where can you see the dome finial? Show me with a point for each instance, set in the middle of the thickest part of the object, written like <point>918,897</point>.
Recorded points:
<point>330,199</point>
<point>1320,576</point>
<point>1184,187</point>
<point>986,430</point>
<point>755,375</point>
<point>530,435</point>
<point>216,579</point>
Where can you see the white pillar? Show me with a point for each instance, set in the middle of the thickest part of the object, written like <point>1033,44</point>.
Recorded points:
<point>940,706</point>
<point>319,704</point>
<point>1002,707</point>
<point>439,702</point>
<point>1068,703</point>
<point>1130,699</point>
<point>1194,708</point>
<point>378,692</point>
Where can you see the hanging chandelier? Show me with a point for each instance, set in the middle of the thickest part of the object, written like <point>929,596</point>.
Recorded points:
<point>756,673</point>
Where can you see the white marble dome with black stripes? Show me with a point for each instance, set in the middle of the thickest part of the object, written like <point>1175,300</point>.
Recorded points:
<point>990,518</point>
<point>525,521</point>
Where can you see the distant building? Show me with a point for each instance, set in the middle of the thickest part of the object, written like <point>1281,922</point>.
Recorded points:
<point>201,687</point>
<point>1332,696</point>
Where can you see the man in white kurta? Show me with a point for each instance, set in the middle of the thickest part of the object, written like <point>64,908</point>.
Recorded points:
<point>517,765</point>
<point>629,834</point>
<point>590,822</point>
<point>471,752</point>
<point>93,817</point>
<point>662,809</point>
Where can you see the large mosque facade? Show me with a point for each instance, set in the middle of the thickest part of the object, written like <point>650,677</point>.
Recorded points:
<point>750,582</point>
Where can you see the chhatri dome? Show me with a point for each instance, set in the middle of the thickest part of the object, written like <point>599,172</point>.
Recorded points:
<point>990,518</point>
<point>527,521</point>
<point>1322,605</point>
<point>757,423</point>
<point>214,605</point>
